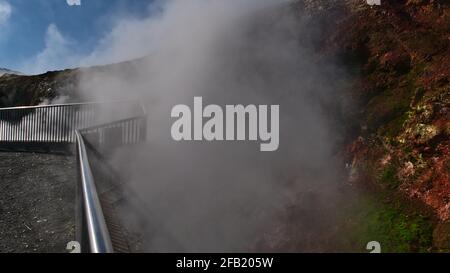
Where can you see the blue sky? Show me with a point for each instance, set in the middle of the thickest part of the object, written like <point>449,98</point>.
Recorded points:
<point>25,25</point>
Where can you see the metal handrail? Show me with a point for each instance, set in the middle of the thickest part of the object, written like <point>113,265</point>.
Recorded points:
<point>54,123</point>
<point>103,125</point>
<point>66,104</point>
<point>49,105</point>
<point>73,123</point>
<point>97,232</point>
<point>133,130</point>
<point>50,124</point>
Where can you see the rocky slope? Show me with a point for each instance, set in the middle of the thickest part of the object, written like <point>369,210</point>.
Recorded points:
<point>400,144</point>
<point>54,86</point>
<point>20,90</point>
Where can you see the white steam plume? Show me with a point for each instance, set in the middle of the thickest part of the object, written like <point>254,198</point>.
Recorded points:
<point>226,196</point>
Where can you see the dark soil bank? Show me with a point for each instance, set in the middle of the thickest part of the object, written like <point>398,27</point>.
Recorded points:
<point>37,197</point>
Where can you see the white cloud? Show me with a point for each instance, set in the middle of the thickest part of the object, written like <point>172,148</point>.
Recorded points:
<point>132,38</point>
<point>57,53</point>
<point>73,2</point>
<point>5,12</point>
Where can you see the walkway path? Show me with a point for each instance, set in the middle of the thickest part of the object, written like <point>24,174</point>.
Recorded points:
<point>37,197</point>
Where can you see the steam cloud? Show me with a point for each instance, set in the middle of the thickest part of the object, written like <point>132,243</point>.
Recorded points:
<point>209,196</point>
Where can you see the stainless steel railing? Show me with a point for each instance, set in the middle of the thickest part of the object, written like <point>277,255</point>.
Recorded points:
<point>52,123</point>
<point>69,123</point>
<point>94,231</point>
<point>57,123</point>
<point>94,235</point>
<point>120,132</point>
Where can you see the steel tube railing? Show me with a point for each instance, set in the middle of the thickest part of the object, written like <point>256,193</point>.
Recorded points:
<point>53,123</point>
<point>97,232</point>
<point>73,123</point>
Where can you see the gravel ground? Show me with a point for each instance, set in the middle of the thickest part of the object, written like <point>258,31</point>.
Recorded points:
<point>37,202</point>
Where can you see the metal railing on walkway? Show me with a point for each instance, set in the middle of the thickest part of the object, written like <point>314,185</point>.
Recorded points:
<point>101,126</point>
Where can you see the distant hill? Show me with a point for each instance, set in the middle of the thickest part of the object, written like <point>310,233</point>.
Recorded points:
<point>8,71</point>
<point>17,89</point>
<point>22,90</point>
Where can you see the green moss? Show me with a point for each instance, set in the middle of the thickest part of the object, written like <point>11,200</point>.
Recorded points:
<point>389,223</point>
<point>396,230</point>
<point>389,177</point>
<point>387,112</point>
<point>395,127</point>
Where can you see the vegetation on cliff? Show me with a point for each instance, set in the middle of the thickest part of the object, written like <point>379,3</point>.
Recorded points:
<point>400,148</point>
